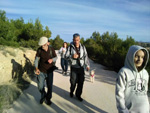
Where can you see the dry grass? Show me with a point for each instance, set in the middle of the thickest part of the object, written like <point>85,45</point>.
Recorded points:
<point>12,53</point>
<point>8,93</point>
<point>11,91</point>
<point>23,49</point>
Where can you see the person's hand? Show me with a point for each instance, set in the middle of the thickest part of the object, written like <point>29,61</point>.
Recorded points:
<point>64,50</point>
<point>50,61</point>
<point>87,68</point>
<point>75,55</point>
<point>37,71</point>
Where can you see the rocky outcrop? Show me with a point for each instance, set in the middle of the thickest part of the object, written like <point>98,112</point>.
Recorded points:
<point>15,62</point>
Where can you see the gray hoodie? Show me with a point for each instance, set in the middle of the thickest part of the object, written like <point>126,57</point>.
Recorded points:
<point>132,86</point>
<point>62,51</point>
<point>84,61</point>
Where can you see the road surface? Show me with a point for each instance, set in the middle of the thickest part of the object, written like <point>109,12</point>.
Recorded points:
<point>99,97</point>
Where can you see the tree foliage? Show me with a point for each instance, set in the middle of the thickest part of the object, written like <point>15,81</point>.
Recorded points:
<point>108,49</point>
<point>17,33</point>
<point>57,42</point>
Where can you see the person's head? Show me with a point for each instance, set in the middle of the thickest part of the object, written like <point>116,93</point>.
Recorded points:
<point>43,42</point>
<point>65,44</point>
<point>92,72</point>
<point>49,42</point>
<point>137,58</point>
<point>76,39</point>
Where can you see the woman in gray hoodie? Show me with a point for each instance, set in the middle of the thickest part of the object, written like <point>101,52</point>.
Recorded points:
<point>132,82</point>
<point>64,62</point>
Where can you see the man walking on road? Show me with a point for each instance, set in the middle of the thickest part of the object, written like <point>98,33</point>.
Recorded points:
<point>44,67</point>
<point>77,55</point>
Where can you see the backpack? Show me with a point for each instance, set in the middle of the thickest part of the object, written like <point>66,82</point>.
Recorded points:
<point>83,51</point>
<point>83,57</point>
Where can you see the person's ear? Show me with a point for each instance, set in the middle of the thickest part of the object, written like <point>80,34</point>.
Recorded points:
<point>47,43</point>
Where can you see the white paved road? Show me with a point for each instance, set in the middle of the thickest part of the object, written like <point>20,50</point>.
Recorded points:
<point>99,97</point>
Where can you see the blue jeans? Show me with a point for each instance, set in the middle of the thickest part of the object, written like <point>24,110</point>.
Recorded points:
<point>41,84</point>
<point>64,64</point>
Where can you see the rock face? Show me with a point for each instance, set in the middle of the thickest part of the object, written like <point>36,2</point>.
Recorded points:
<point>15,62</point>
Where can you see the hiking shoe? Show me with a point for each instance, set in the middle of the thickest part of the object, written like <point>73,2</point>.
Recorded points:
<point>80,99</point>
<point>71,94</point>
<point>65,73</point>
<point>43,97</point>
<point>42,100</point>
<point>48,102</point>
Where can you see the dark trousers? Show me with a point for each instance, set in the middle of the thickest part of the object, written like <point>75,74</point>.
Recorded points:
<point>41,84</point>
<point>64,64</point>
<point>77,78</point>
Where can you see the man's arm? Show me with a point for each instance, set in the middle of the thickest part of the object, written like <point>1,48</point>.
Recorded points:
<point>36,63</point>
<point>87,63</point>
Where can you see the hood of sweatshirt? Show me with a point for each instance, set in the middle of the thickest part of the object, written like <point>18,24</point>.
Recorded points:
<point>129,61</point>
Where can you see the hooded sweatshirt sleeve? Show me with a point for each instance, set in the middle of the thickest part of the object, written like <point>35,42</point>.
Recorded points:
<point>67,55</point>
<point>60,51</point>
<point>120,89</point>
<point>87,63</point>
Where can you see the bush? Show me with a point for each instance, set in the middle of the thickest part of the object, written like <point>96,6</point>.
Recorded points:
<point>57,43</point>
<point>108,49</point>
<point>21,79</point>
<point>8,43</point>
<point>8,93</point>
<point>29,44</point>
<point>13,31</point>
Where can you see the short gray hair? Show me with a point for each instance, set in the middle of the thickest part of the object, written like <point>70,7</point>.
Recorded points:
<point>75,35</point>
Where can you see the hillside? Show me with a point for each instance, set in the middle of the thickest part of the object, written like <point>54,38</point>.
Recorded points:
<point>16,71</point>
<point>14,60</point>
<point>98,96</point>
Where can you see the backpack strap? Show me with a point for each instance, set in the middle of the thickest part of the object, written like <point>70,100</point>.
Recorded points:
<point>50,48</point>
<point>70,48</point>
<point>39,50</point>
<point>51,54</point>
<point>83,51</point>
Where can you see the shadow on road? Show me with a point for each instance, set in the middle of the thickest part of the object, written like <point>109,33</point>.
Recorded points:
<point>83,105</point>
<point>26,103</point>
<point>60,72</point>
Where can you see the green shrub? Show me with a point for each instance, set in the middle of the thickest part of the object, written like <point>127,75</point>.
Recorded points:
<point>8,43</point>
<point>29,44</point>
<point>8,93</point>
<point>108,49</point>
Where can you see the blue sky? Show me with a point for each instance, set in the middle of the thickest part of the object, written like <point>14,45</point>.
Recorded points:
<point>66,17</point>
